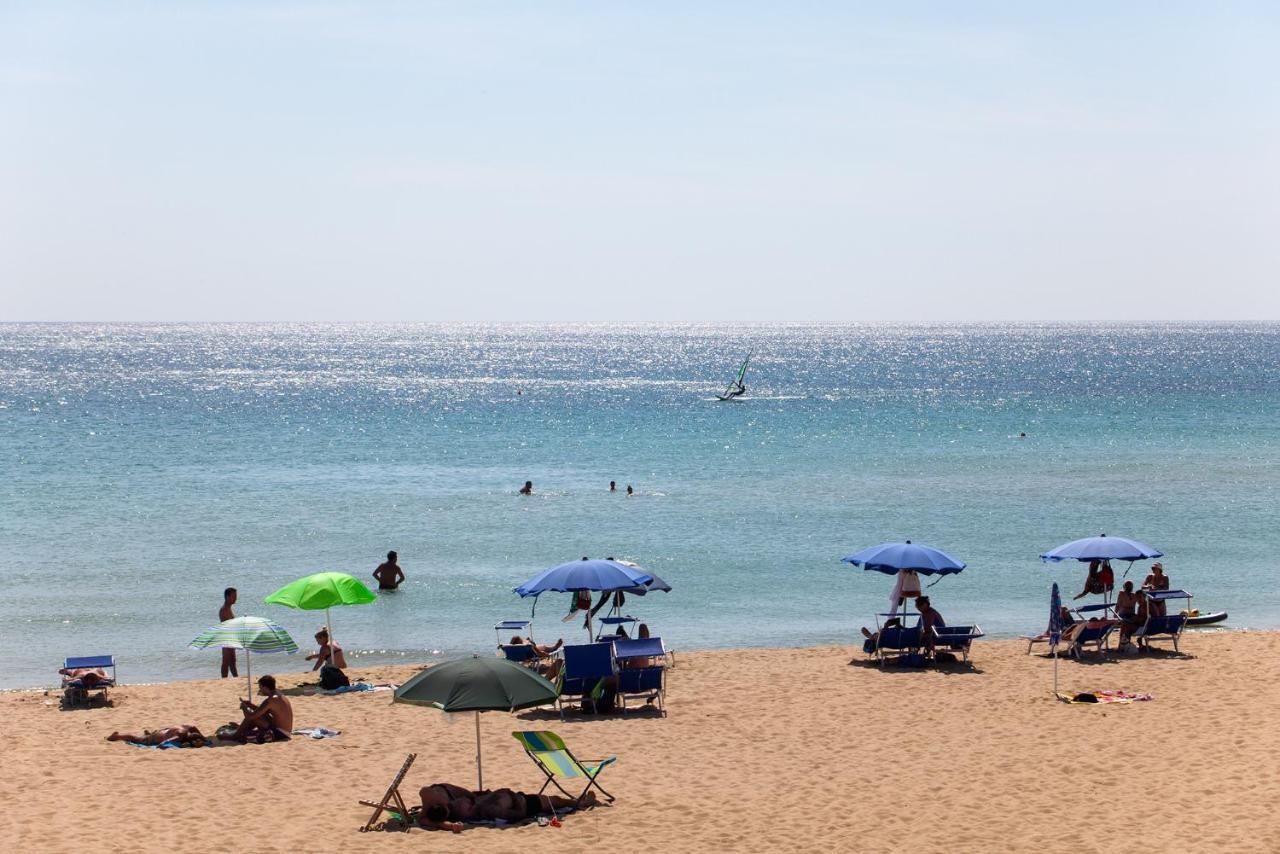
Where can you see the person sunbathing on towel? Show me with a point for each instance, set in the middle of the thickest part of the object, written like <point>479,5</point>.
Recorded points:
<point>186,734</point>
<point>446,807</point>
<point>270,720</point>
<point>88,677</point>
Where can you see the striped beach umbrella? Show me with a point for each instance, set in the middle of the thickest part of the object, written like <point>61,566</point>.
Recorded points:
<point>252,634</point>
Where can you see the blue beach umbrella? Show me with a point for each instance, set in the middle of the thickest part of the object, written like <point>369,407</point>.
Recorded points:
<point>595,575</point>
<point>585,574</point>
<point>1101,547</point>
<point>891,558</point>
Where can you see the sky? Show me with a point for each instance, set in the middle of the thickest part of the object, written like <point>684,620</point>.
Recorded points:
<point>711,161</point>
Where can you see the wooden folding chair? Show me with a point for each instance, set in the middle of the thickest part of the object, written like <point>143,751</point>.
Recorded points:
<point>391,800</point>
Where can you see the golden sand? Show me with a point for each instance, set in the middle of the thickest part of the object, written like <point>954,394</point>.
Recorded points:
<point>764,750</point>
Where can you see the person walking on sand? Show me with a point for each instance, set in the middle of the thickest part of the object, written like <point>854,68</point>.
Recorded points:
<point>224,614</point>
<point>388,573</point>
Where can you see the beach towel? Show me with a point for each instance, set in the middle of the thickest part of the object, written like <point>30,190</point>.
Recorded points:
<point>357,688</point>
<point>318,732</point>
<point>1104,697</point>
<point>397,821</point>
<point>171,744</point>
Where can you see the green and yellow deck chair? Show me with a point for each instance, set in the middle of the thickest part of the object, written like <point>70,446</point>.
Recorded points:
<point>548,752</point>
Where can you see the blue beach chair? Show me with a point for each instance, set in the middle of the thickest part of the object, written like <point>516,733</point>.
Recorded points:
<point>520,653</point>
<point>586,668</point>
<point>609,627</point>
<point>894,641</point>
<point>74,690</point>
<point>1083,635</point>
<point>957,638</point>
<point>1163,625</point>
<point>649,681</point>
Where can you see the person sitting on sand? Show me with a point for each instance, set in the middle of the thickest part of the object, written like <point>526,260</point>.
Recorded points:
<point>326,652</point>
<point>388,573</point>
<point>270,720</point>
<point>1157,580</point>
<point>446,807</point>
<point>185,734</point>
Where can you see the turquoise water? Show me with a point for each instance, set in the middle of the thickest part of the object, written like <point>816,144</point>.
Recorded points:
<point>143,468</point>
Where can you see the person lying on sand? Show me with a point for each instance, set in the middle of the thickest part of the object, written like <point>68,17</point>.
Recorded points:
<point>270,720</point>
<point>446,807</point>
<point>186,734</point>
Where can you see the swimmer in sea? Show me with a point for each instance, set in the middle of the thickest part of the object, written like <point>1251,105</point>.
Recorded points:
<point>388,573</point>
<point>630,491</point>
<point>527,489</point>
<point>613,486</point>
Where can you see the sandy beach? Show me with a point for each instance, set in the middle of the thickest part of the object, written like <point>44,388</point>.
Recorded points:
<point>763,750</point>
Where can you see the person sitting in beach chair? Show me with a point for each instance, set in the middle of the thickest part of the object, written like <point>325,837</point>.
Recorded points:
<point>930,620</point>
<point>541,657</point>
<point>270,720</point>
<point>1064,614</point>
<point>446,806</point>
<point>187,735</point>
<point>1155,582</point>
<point>873,638</point>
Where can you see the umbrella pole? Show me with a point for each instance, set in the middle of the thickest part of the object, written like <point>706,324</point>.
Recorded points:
<point>479,767</point>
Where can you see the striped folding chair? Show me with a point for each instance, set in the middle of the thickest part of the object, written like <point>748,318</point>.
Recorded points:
<point>548,752</point>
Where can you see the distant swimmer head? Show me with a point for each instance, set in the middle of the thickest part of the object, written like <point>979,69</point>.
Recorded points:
<point>630,491</point>
<point>1022,435</point>
<point>613,486</point>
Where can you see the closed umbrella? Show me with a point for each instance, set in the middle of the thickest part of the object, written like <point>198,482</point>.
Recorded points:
<point>251,634</point>
<point>477,684</point>
<point>1055,629</point>
<point>323,590</point>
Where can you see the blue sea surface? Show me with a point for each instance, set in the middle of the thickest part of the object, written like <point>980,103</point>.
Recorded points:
<point>143,468</point>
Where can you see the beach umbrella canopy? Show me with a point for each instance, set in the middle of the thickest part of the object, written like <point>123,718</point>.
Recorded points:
<point>585,574</point>
<point>1101,547</point>
<point>322,591</point>
<point>891,558</point>
<point>252,634</point>
<point>653,584</point>
<point>477,684</point>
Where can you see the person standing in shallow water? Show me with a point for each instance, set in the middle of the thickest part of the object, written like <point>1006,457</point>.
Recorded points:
<point>613,486</point>
<point>224,614</point>
<point>388,573</point>
<point>527,489</point>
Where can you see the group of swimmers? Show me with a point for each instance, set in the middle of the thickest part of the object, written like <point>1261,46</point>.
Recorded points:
<point>527,489</point>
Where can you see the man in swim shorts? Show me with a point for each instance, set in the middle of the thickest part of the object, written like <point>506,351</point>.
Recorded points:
<point>270,720</point>
<point>388,573</point>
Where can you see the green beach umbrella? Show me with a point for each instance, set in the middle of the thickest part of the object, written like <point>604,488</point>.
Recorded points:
<point>252,634</point>
<point>477,684</point>
<point>324,590</point>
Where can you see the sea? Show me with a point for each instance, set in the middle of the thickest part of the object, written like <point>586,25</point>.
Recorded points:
<point>143,468</point>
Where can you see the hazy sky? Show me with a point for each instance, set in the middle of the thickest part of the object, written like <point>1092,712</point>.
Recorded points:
<point>639,161</point>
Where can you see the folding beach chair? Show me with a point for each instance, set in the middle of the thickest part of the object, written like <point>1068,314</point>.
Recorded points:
<point>609,627</point>
<point>391,800</point>
<point>520,653</point>
<point>649,681</point>
<point>896,641</point>
<point>956,638</point>
<point>74,690</point>
<point>1163,625</point>
<point>1098,635</point>
<point>548,752</point>
<point>586,667</point>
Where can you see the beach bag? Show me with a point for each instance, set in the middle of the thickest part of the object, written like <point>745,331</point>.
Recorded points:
<point>331,677</point>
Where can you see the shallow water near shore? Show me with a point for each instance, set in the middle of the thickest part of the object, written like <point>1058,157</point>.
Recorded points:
<point>145,467</point>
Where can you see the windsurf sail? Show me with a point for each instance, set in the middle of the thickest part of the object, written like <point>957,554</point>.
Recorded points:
<point>738,387</point>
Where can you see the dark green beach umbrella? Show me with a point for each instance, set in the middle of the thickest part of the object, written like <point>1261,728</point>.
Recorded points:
<point>477,684</point>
